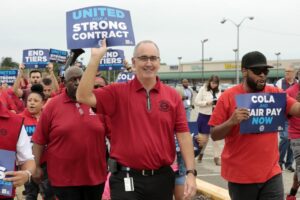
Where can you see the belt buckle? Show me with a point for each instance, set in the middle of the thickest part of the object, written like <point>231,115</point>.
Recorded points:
<point>145,172</point>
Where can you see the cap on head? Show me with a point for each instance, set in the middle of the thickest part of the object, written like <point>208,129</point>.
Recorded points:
<point>254,59</point>
<point>73,72</point>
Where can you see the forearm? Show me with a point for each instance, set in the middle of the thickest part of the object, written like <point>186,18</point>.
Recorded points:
<point>221,131</point>
<point>295,110</point>
<point>54,81</point>
<point>29,165</point>
<point>85,89</point>
<point>187,149</point>
<point>37,151</point>
<point>16,86</point>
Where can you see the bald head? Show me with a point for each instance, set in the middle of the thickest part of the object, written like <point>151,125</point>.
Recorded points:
<point>290,73</point>
<point>72,72</point>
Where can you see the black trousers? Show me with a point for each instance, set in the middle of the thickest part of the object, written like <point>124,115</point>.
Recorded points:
<point>270,190</point>
<point>32,189</point>
<point>159,186</point>
<point>79,192</point>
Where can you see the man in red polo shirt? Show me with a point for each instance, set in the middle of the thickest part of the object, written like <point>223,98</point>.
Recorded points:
<point>249,161</point>
<point>75,140</point>
<point>144,114</point>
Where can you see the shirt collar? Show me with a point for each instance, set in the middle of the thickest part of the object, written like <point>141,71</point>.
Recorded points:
<point>138,86</point>
<point>66,98</point>
<point>27,114</point>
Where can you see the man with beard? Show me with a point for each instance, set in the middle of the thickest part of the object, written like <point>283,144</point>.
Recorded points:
<point>74,139</point>
<point>249,161</point>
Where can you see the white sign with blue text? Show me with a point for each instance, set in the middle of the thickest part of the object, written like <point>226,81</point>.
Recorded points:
<point>267,112</point>
<point>87,26</point>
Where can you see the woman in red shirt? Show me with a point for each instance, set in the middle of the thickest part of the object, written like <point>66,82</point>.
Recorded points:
<point>31,114</point>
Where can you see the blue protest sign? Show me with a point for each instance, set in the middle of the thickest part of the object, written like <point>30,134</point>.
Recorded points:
<point>267,112</point>
<point>112,60</point>
<point>58,56</point>
<point>7,163</point>
<point>35,58</point>
<point>87,26</point>
<point>125,77</point>
<point>8,76</point>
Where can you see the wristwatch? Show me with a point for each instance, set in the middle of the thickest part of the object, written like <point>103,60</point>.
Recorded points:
<point>193,171</point>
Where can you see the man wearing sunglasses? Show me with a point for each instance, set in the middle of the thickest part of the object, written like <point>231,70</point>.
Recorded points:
<point>145,114</point>
<point>249,161</point>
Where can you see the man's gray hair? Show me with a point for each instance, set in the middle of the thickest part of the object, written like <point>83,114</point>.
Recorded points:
<point>144,42</point>
<point>73,71</point>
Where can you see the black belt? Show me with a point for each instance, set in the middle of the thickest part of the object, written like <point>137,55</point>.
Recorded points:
<point>143,172</point>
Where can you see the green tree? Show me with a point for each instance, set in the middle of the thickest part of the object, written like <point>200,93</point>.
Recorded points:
<point>7,62</point>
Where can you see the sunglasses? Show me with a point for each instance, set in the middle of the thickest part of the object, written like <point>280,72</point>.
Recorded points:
<point>259,70</point>
<point>97,86</point>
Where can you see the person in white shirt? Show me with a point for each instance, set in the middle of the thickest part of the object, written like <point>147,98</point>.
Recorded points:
<point>206,100</point>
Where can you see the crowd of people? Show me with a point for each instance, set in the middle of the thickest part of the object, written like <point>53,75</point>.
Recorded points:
<point>68,137</point>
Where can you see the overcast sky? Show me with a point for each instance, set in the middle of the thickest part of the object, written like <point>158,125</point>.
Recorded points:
<point>177,26</point>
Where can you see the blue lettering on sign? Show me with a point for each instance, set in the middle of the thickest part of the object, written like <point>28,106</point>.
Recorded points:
<point>30,129</point>
<point>97,12</point>
<point>261,120</point>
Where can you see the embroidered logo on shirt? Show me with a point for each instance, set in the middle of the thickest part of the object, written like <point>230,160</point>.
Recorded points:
<point>164,106</point>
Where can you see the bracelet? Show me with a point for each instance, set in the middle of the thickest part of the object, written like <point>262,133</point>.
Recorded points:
<point>29,175</point>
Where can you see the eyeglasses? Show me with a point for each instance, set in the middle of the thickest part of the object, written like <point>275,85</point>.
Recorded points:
<point>151,58</point>
<point>97,86</point>
<point>259,70</point>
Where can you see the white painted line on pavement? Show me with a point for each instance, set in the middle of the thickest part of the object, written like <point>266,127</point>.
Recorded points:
<point>203,175</point>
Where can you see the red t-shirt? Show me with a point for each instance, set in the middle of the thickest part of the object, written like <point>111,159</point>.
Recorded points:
<point>294,122</point>
<point>75,139</point>
<point>246,158</point>
<point>6,101</point>
<point>29,122</point>
<point>142,131</point>
<point>17,102</point>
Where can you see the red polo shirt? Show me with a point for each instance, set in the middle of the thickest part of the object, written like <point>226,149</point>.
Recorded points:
<point>29,122</point>
<point>247,158</point>
<point>75,139</point>
<point>142,131</point>
<point>294,122</point>
<point>7,101</point>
